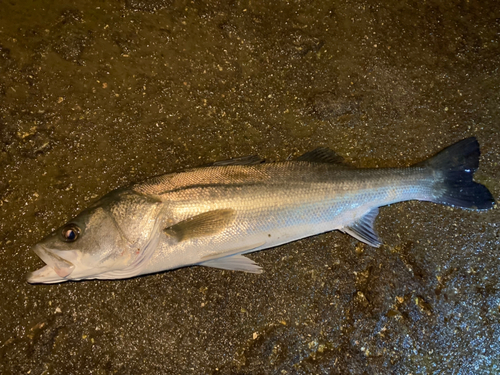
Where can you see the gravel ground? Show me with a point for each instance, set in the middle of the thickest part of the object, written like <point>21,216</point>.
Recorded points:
<point>95,95</point>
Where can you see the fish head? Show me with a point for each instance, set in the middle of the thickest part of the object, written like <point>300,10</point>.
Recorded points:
<point>84,248</point>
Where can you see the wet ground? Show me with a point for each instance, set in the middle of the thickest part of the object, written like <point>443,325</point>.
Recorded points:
<point>95,95</point>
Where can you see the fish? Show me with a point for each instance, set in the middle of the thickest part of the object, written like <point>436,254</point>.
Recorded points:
<point>214,215</point>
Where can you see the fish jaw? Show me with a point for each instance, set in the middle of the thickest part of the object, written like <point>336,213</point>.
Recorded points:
<point>45,275</point>
<point>56,270</point>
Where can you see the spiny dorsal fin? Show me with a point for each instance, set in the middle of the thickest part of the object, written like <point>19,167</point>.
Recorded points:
<point>244,160</point>
<point>363,230</point>
<point>205,224</point>
<point>322,155</point>
<point>234,263</point>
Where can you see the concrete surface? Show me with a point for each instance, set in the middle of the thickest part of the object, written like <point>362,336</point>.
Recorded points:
<point>95,95</point>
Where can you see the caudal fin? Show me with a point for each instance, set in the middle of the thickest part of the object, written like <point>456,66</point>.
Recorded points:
<point>457,164</point>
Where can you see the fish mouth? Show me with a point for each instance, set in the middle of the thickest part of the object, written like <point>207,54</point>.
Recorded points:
<point>57,269</point>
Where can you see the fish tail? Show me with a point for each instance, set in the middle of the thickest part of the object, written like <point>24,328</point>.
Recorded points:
<point>456,165</point>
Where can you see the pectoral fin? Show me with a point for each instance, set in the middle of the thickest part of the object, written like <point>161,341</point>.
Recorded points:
<point>363,230</point>
<point>234,263</point>
<point>205,224</point>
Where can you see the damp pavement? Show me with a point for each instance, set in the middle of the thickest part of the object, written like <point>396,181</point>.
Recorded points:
<point>95,95</point>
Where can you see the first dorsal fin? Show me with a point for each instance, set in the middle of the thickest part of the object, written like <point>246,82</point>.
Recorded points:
<point>322,155</point>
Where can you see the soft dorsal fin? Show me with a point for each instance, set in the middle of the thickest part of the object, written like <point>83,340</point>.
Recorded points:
<point>244,160</point>
<point>362,229</point>
<point>236,262</point>
<point>205,224</point>
<point>322,155</point>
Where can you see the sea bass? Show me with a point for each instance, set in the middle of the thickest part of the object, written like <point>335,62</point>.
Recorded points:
<point>212,216</point>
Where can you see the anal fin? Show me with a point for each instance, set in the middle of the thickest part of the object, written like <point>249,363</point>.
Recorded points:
<point>234,263</point>
<point>363,230</point>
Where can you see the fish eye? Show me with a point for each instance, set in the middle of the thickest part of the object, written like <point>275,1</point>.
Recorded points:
<point>70,233</point>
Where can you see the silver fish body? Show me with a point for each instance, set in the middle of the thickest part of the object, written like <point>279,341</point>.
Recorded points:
<point>212,216</point>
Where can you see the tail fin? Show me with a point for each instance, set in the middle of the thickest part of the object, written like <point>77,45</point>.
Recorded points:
<point>457,164</point>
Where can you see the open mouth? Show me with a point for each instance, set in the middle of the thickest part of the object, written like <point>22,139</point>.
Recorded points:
<point>56,270</point>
